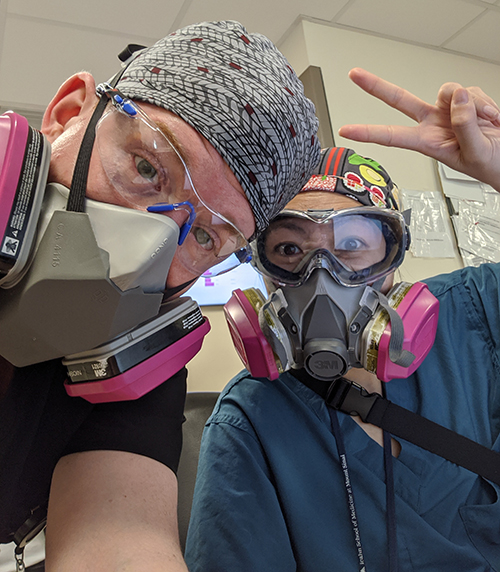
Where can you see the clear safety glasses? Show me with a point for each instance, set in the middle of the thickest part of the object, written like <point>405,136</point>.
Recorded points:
<point>147,171</point>
<point>357,245</point>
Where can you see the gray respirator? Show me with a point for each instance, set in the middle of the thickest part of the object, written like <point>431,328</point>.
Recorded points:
<point>327,328</point>
<point>89,278</point>
<point>85,280</point>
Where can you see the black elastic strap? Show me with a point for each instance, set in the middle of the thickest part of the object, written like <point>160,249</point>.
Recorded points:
<point>78,190</point>
<point>129,51</point>
<point>169,292</point>
<point>76,199</point>
<point>390,496</point>
<point>372,408</point>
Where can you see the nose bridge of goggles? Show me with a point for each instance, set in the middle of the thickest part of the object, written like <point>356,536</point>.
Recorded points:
<point>324,259</point>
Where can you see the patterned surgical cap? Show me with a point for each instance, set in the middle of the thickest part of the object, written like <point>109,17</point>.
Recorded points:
<point>240,93</point>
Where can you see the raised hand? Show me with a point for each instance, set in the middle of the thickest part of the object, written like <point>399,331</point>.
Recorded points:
<point>462,129</point>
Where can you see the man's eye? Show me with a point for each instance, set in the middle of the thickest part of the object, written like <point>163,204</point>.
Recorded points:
<point>203,238</point>
<point>144,168</point>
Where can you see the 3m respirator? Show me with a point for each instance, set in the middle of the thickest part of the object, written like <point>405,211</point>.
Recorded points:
<point>86,286</point>
<point>326,312</point>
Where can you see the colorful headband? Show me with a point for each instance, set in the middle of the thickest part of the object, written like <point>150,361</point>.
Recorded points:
<point>343,171</point>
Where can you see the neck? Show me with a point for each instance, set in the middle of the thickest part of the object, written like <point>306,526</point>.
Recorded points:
<point>366,379</point>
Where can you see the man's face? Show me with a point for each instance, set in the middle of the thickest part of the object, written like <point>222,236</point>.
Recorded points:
<point>212,178</point>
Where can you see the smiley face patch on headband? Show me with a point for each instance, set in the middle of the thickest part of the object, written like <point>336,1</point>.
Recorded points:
<point>360,178</point>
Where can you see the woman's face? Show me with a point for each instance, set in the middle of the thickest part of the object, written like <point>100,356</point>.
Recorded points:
<point>356,241</point>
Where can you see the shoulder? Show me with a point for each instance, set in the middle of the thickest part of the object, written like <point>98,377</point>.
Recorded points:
<point>249,403</point>
<point>239,398</point>
<point>469,295</point>
<point>476,281</point>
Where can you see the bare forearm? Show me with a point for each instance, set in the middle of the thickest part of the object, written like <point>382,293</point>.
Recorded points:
<point>113,511</point>
<point>130,553</point>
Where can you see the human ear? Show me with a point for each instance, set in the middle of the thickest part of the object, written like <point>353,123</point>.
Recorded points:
<point>74,99</point>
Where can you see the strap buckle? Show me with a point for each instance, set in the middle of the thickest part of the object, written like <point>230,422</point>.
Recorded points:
<point>351,398</point>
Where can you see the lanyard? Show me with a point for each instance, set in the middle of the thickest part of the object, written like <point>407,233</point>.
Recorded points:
<point>348,487</point>
<point>390,496</point>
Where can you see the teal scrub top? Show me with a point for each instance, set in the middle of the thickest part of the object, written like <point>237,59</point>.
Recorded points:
<point>270,493</point>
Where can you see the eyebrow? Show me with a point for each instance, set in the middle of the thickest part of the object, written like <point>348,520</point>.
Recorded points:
<point>287,225</point>
<point>172,139</point>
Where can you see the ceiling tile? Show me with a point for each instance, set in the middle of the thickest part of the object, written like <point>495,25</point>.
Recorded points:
<point>37,58</point>
<point>424,21</point>
<point>269,17</point>
<point>87,34</point>
<point>149,18</point>
<point>481,38</point>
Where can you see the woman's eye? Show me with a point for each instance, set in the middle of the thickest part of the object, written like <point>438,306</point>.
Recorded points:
<point>203,238</point>
<point>350,244</point>
<point>144,168</point>
<point>289,249</point>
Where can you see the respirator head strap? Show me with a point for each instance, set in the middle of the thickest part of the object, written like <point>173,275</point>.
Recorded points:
<point>368,305</point>
<point>76,199</point>
<point>170,292</point>
<point>397,354</point>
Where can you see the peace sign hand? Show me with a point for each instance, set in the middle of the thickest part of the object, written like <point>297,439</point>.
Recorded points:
<point>462,129</point>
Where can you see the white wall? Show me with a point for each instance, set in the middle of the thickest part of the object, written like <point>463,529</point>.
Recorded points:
<point>218,361</point>
<point>336,51</point>
<point>420,70</point>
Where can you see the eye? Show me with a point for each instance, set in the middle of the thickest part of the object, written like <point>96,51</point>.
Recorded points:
<point>350,244</point>
<point>288,249</point>
<point>144,168</point>
<point>203,238</point>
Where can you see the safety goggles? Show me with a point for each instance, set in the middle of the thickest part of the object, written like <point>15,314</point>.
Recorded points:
<point>357,245</point>
<point>145,168</point>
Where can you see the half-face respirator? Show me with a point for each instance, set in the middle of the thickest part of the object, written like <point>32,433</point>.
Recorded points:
<point>326,312</point>
<point>89,286</point>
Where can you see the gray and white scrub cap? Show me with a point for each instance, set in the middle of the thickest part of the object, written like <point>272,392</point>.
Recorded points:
<point>240,93</point>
